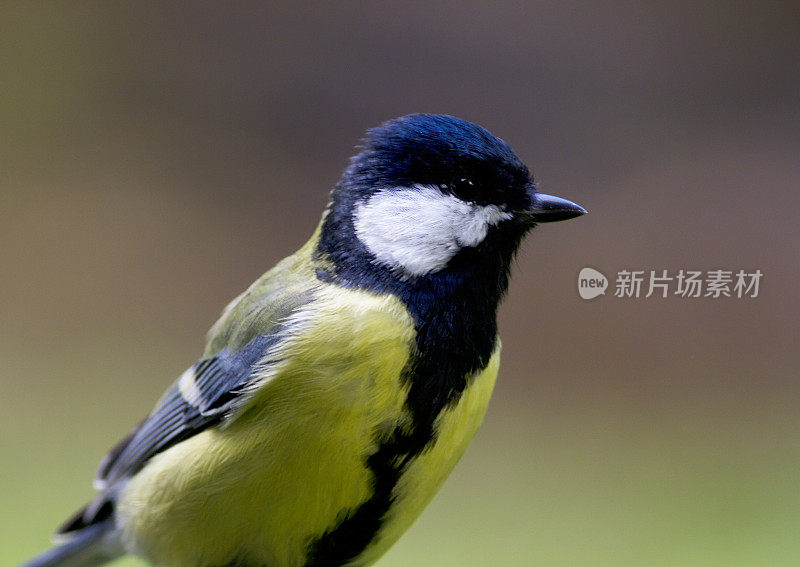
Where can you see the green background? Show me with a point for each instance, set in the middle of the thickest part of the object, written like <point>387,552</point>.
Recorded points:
<point>156,159</point>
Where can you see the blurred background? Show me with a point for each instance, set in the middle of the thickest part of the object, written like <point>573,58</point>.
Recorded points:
<point>156,159</point>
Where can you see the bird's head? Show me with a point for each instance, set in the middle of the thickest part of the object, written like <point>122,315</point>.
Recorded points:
<point>428,193</point>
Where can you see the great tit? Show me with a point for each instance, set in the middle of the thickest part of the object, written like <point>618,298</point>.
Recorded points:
<point>336,394</point>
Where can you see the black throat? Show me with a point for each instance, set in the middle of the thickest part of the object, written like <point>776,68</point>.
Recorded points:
<point>454,309</point>
<point>455,318</point>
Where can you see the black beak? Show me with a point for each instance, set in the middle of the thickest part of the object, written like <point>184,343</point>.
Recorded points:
<point>546,208</point>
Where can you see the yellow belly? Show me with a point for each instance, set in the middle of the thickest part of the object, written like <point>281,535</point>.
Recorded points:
<point>426,474</point>
<point>286,469</point>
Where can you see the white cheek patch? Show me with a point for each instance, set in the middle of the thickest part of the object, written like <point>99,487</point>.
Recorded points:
<point>419,229</point>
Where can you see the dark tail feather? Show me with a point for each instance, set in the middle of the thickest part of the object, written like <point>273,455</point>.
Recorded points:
<point>89,547</point>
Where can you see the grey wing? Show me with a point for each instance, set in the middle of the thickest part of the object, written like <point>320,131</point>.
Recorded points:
<point>247,331</point>
<point>198,400</point>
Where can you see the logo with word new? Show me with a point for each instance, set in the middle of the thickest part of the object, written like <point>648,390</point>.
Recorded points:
<point>591,283</point>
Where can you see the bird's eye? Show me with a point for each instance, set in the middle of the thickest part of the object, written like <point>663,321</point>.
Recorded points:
<point>465,189</point>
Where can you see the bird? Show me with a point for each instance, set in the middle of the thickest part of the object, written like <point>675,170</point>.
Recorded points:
<point>337,393</point>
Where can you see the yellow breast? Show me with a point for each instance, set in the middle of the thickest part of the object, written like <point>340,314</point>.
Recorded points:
<point>292,462</point>
<point>455,429</point>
